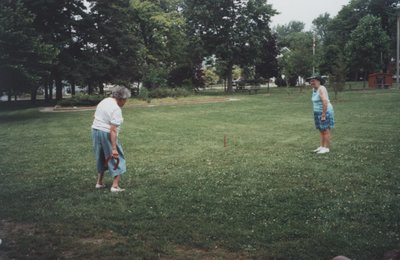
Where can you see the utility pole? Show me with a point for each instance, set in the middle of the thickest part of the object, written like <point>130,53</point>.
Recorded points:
<point>397,47</point>
<point>313,53</point>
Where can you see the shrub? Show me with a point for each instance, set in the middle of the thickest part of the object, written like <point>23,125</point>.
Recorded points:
<point>169,92</point>
<point>280,82</point>
<point>81,100</point>
<point>155,77</point>
<point>182,92</point>
<point>178,75</point>
<point>160,93</point>
<point>143,93</point>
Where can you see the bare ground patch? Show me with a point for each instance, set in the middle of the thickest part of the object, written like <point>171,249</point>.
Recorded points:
<point>185,252</point>
<point>8,231</point>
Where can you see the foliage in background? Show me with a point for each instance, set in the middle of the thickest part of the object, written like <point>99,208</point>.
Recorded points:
<point>233,31</point>
<point>164,43</point>
<point>333,34</point>
<point>263,196</point>
<point>81,100</point>
<point>112,49</point>
<point>25,57</point>
<point>341,27</point>
<point>169,92</point>
<point>210,77</point>
<point>296,55</point>
<point>144,94</point>
<point>62,24</point>
<point>155,77</point>
<point>283,33</point>
<point>367,45</point>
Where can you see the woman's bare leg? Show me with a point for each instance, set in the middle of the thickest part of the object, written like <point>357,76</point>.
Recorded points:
<point>100,177</point>
<point>116,181</point>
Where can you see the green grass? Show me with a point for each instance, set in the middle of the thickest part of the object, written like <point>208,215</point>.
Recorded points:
<point>264,196</point>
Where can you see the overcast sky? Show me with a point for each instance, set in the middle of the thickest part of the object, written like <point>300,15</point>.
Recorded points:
<point>304,10</point>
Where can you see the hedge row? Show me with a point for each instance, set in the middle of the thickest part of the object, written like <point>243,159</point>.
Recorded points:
<point>144,94</point>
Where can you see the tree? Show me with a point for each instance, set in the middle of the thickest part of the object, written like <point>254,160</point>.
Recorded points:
<point>298,59</point>
<point>24,57</point>
<point>234,31</point>
<point>113,49</point>
<point>387,11</point>
<point>58,22</point>
<point>284,32</point>
<point>292,61</point>
<point>162,32</point>
<point>340,28</point>
<point>321,24</point>
<point>267,64</point>
<point>366,44</point>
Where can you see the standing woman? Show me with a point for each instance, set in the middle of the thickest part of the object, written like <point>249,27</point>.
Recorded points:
<point>323,113</point>
<point>105,130</point>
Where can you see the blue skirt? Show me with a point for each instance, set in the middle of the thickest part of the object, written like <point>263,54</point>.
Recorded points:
<point>329,123</point>
<point>103,149</point>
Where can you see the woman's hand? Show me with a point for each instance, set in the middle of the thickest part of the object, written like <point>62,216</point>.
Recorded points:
<point>323,117</point>
<point>115,153</point>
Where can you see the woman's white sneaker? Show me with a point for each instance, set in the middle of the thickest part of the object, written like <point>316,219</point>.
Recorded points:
<point>116,189</point>
<point>318,149</point>
<point>100,186</point>
<point>323,150</point>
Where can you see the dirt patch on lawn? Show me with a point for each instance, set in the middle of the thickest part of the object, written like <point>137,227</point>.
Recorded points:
<point>107,237</point>
<point>184,252</point>
<point>8,231</point>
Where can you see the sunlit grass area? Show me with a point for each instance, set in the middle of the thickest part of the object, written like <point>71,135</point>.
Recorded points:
<point>264,195</point>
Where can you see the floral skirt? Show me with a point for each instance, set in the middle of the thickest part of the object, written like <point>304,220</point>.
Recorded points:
<point>326,124</point>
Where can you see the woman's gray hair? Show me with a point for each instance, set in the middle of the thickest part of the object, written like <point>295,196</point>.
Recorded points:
<point>120,92</point>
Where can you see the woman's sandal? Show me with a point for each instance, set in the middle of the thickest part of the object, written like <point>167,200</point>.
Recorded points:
<point>116,189</point>
<point>100,186</point>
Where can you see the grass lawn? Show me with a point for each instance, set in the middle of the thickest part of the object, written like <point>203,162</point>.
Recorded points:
<point>263,196</point>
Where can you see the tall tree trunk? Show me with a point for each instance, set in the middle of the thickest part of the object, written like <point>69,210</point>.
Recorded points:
<point>90,88</point>
<point>225,88</point>
<point>229,77</point>
<point>59,88</point>
<point>46,91</point>
<point>9,94</point>
<point>101,89</point>
<point>50,96</point>
<point>33,94</point>
<point>73,86</point>
<point>364,79</point>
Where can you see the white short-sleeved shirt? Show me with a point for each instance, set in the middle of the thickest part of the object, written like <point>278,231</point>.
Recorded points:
<point>107,113</point>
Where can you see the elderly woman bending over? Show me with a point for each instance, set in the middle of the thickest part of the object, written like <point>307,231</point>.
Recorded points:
<point>105,130</point>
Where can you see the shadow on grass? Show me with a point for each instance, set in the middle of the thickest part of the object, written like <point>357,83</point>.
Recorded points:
<point>25,104</point>
<point>21,115</point>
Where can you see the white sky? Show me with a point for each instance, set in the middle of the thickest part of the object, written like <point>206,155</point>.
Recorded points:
<point>304,10</point>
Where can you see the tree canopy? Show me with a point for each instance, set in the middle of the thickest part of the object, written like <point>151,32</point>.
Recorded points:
<point>234,31</point>
<point>24,55</point>
<point>165,43</point>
